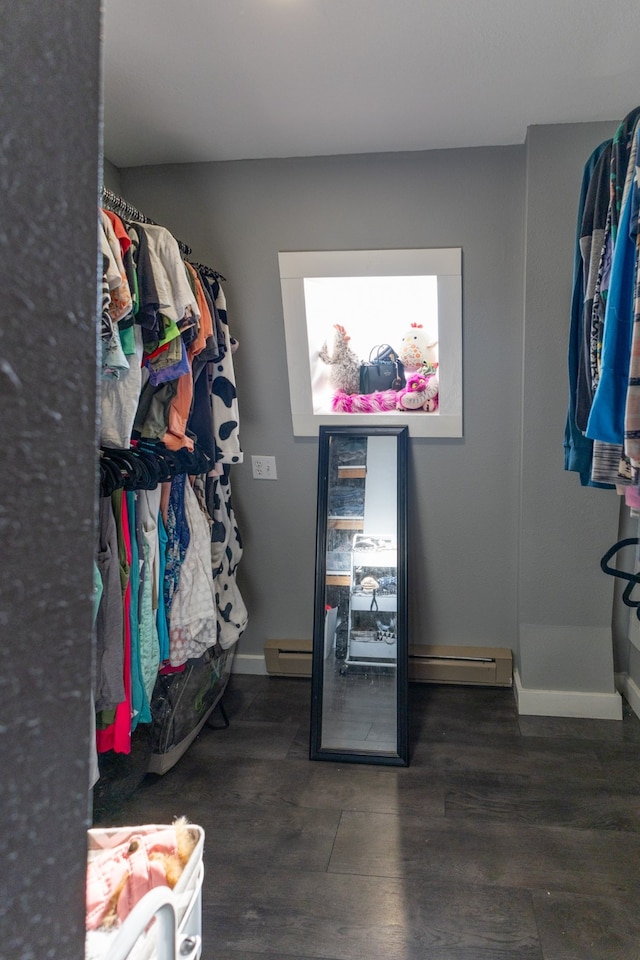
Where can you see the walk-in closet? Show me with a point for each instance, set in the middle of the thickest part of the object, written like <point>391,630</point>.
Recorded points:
<point>162,166</point>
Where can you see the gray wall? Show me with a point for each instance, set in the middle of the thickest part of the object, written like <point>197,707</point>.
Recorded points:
<point>111,177</point>
<point>49,169</point>
<point>564,599</point>
<point>633,670</point>
<point>463,493</point>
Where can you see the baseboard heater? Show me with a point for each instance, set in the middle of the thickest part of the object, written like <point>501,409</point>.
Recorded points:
<point>288,658</point>
<point>465,665</point>
<point>492,666</point>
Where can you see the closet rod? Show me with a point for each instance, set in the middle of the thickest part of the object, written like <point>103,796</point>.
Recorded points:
<point>116,204</point>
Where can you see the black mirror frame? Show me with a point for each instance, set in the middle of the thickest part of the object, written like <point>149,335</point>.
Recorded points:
<point>316,751</point>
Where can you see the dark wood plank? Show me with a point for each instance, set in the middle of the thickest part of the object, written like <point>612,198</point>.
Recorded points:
<point>621,771</point>
<point>444,713</point>
<point>373,789</point>
<point>198,786</point>
<point>573,927</point>
<point>579,728</point>
<point>250,738</point>
<point>254,835</point>
<point>599,862</point>
<point>549,758</point>
<point>283,699</point>
<point>360,918</point>
<point>566,801</point>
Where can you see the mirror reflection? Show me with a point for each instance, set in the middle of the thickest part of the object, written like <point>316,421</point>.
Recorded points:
<point>360,630</point>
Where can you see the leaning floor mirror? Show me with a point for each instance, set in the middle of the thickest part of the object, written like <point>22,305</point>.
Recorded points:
<point>360,651</point>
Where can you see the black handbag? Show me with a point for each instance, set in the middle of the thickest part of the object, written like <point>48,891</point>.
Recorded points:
<point>382,371</point>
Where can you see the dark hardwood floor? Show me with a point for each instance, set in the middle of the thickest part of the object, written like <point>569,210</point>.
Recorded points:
<point>506,838</point>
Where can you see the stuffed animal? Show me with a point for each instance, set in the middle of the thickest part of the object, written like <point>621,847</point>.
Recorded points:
<point>345,365</point>
<point>364,402</point>
<point>420,393</point>
<point>119,876</point>
<point>415,349</point>
<point>369,584</point>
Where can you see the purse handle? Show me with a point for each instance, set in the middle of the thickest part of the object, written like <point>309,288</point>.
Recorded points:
<point>384,351</point>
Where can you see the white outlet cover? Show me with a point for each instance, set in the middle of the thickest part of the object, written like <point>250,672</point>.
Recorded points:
<point>263,468</point>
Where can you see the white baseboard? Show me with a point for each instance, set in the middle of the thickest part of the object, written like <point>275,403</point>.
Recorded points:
<point>629,690</point>
<point>252,663</point>
<point>566,703</point>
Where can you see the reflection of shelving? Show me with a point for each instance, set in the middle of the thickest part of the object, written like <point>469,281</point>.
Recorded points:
<point>346,523</point>
<point>352,472</point>
<point>363,601</point>
<point>338,580</point>
<point>375,558</point>
<point>372,640</point>
<point>345,519</point>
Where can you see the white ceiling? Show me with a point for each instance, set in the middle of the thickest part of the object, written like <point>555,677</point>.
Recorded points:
<point>194,80</point>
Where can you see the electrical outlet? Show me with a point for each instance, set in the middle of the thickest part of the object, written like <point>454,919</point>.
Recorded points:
<point>264,468</point>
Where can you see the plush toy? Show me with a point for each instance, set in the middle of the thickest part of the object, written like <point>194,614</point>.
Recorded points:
<point>345,365</point>
<point>369,584</point>
<point>420,393</point>
<point>364,402</point>
<point>415,349</point>
<point>119,876</point>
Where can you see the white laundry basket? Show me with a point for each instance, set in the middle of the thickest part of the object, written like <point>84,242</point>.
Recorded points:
<point>177,931</point>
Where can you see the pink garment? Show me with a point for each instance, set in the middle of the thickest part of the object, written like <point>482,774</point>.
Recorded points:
<point>632,497</point>
<point>128,867</point>
<point>117,736</point>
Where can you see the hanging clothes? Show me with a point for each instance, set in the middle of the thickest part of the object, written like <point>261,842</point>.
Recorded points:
<point>169,417</point>
<point>223,387</point>
<point>114,726</point>
<point>192,619</point>
<point>226,553</point>
<point>148,503</point>
<point>108,686</point>
<point>592,232</point>
<point>164,289</point>
<point>606,418</point>
<point>602,431</point>
<point>140,709</point>
<point>579,449</point>
<point>632,410</point>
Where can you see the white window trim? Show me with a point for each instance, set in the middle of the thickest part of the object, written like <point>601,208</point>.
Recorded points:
<point>445,263</point>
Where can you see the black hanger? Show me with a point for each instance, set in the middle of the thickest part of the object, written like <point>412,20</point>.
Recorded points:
<point>135,473</point>
<point>632,578</point>
<point>208,271</point>
<point>111,201</point>
<point>110,478</point>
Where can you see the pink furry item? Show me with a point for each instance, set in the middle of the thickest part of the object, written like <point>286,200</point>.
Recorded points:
<point>420,393</point>
<point>364,402</point>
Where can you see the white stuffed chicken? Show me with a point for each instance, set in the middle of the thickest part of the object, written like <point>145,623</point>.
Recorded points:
<point>415,349</point>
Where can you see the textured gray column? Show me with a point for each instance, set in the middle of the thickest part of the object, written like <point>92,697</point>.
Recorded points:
<point>49,174</point>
